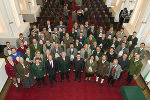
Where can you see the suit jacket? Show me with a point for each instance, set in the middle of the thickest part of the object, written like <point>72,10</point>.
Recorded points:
<point>117,71</point>
<point>119,48</point>
<point>46,33</point>
<point>70,40</point>
<point>104,42</point>
<point>95,53</point>
<point>74,53</point>
<point>6,50</point>
<point>102,68</point>
<point>33,37</point>
<point>120,35</point>
<point>47,28</point>
<point>116,43</point>
<point>45,47</point>
<point>110,57</point>
<point>127,43</point>
<point>98,32</point>
<point>53,51</point>
<point>84,32</point>
<point>123,63</point>
<point>21,70</point>
<point>141,52</point>
<point>73,35</point>
<point>64,66</point>
<point>22,50</point>
<point>10,70</point>
<point>87,65</point>
<point>56,40</point>
<point>81,40</point>
<point>49,69</point>
<point>40,39</point>
<point>135,67</point>
<point>83,51</point>
<point>90,32</point>
<point>78,65</point>
<point>109,33</point>
<point>18,41</point>
<point>134,41</point>
<point>38,72</point>
<point>87,40</point>
<point>78,47</point>
<point>33,50</point>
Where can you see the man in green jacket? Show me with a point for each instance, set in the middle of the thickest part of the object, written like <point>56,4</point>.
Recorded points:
<point>135,66</point>
<point>35,46</point>
<point>64,66</point>
<point>38,71</point>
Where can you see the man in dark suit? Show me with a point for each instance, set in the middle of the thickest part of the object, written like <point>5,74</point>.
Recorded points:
<point>51,67</point>
<point>49,27</point>
<point>64,66</point>
<point>132,39</point>
<point>124,63</point>
<point>78,66</point>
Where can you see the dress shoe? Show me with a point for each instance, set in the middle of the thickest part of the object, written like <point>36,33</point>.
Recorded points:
<point>79,81</point>
<point>101,84</point>
<point>124,80</point>
<point>17,88</point>
<point>107,84</point>
<point>85,80</point>
<point>118,81</point>
<point>111,85</point>
<point>95,82</point>
<point>39,86</point>
<point>89,80</point>
<point>68,81</point>
<point>61,81</point>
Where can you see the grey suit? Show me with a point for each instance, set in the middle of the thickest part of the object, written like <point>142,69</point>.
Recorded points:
<point>83,51</point>
<point>6,50</point>
<point>53,51</point>
<point>119,48</point>
<point>74,53</point>
<point>117,71</point>
<point>18,41</point>
<point>141,52</point>
<point>84,32</point>
<point>45,47</point>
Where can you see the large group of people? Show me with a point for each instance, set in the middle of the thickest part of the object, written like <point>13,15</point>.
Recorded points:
<point>99,53</point>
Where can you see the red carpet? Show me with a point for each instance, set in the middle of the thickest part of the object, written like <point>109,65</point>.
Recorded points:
<point>68,91</point>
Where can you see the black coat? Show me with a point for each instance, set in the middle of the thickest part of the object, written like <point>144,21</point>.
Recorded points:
<point>110,57</point>
<point>134,41</point>
<point>78,65</point>
<point>49,69</point>
<point>124,64</point>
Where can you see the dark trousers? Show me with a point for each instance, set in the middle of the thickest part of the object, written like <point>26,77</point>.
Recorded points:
<point>130,49</point>
<point>121,75</point>
<point>78,75</point>
<point>62,75</point>
<point>111,80</point>
<point>38,81</point>
<point>129,78</point>
<point>51,78</point>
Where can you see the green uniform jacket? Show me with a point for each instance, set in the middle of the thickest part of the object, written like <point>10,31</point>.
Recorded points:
<point>135,68</point>
<point>64,66</point>
<point>87,65</point>
<point>26,56</point>
<point>44,58</point>
<point>38,72</point>
<point>21,70</point>
<point>69,41</point>
<point>33,50</point>
<point>88,40</point>
<point>99,55</point>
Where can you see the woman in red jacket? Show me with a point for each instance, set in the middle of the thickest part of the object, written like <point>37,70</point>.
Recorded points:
<point>10,68</point>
